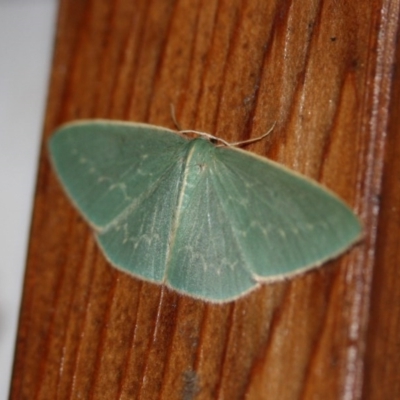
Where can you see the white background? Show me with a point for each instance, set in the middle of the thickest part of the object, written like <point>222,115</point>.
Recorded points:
<point>26,43</point>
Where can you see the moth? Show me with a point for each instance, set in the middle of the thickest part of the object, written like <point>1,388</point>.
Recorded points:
<point>213,222</point>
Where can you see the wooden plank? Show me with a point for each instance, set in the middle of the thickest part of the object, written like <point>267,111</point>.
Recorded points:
<point>382,372</point>
<point>323,72</point>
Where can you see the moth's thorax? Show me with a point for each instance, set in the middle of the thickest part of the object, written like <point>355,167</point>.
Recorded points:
<point>196,165</point>
<point>199,156</point>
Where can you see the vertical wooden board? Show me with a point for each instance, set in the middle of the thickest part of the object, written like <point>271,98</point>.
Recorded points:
<point>138,349</point>
<point>382,367</point>
<point>320,71</point>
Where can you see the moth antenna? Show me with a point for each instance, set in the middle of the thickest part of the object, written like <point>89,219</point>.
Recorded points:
<point>224,142</point>
<point>173,116</point>
<point>248,141</point>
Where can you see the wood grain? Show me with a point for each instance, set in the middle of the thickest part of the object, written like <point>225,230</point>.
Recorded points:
<point>382,373</point>
<point>323,72</point>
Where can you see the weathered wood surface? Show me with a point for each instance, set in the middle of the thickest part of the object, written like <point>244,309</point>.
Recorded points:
<point>323,71</point>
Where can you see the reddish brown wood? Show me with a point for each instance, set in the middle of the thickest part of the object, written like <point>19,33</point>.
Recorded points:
<point>382,378</point>
<point>322,70</point>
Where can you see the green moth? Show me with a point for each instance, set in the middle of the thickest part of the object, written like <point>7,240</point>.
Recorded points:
<point>209,221</point>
